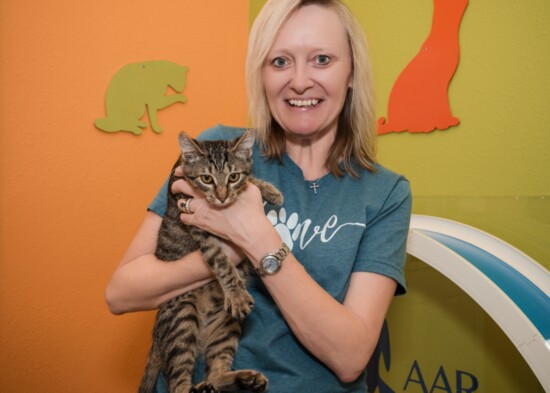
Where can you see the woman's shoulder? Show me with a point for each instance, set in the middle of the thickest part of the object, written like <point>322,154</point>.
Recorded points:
<point>382,174</point>
<point>383,180</point>
<point>386,173</point>
<point>221,132</point>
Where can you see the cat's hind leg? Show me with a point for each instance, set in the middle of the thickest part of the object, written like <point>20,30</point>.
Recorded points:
<point>250,380</point>
<point>204,387</point>
<point>177,339</point>
<point>221,345</point>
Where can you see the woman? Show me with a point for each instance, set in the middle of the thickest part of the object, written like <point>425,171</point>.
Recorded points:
<point>317,319</point>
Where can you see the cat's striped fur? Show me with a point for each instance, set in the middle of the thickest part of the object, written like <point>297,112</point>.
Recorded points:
<point>208,319</point>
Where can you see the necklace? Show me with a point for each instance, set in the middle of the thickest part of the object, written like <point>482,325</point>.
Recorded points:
<point>313,184</point>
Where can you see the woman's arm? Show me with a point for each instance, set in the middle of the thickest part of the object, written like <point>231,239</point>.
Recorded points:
<point>142,282</point>
<point>342,336</point>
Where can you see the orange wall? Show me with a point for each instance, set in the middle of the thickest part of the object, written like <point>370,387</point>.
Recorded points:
<point>72,196</point>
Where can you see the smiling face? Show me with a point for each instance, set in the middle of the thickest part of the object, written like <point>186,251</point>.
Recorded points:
<point>307,73</point>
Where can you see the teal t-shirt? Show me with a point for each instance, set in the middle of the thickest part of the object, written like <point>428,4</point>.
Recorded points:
<point>349,225</point>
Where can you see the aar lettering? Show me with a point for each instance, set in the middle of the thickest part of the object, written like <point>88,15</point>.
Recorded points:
<point>465,382</point>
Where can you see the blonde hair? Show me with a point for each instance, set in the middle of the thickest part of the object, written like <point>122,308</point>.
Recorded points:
<point>356,134</point>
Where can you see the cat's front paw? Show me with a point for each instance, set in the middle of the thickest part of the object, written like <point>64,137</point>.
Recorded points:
<point>272,195</point>
<point>269,192</point>
<point>238,303</point>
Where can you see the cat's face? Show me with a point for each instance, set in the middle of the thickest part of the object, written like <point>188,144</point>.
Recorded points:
<point>218,169</point>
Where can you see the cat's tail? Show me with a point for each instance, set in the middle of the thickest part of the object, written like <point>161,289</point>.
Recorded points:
<point>109,124</point>
<point>105,124</point>
<point>151,374</point>
<point>382,126</point>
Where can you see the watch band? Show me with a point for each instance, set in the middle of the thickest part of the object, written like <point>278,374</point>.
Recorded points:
<point>278,256</point>
<point>282,252</point>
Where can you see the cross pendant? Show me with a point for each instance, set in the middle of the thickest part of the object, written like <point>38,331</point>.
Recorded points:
<point>315,187</point>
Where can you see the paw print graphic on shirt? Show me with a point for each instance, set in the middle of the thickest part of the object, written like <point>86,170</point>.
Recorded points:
<point>285,226</point>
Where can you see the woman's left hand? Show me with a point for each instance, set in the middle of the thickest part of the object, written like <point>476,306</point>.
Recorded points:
<point>243,222</point>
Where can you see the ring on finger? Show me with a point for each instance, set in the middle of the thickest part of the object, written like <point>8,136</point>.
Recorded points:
<point>183,205</point>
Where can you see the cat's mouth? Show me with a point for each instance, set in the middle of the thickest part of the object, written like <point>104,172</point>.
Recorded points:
<point>304,103</point>
<point>215,202</point>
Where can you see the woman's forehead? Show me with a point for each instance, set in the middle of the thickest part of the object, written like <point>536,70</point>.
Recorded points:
<point>312,27</point>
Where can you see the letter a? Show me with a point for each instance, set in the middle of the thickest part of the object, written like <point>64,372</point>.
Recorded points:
<point>420,379</point>
<point>447,387</point>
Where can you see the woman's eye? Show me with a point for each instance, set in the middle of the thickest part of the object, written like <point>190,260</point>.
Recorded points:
<point>234,177</point>
<point>206,179</point>
<point>322,59</point>
<point>279,62</point>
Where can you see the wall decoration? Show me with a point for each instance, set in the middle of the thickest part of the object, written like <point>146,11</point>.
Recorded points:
<point>140,87</point>
<point>510,286</point>
<point>419,99</point>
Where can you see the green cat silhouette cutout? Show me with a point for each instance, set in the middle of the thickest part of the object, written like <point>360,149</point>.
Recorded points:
<point>138,87</point>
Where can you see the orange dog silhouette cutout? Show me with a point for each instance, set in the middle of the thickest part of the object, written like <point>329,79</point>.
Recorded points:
<point>419,100</point>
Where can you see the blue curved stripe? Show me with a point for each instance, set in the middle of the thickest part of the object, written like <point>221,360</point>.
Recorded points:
<point>530,299</point>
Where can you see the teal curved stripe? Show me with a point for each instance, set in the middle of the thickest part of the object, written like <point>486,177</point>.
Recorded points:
<point>531,300</point>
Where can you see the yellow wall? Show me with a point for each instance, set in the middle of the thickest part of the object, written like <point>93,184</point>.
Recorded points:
<point>72,196</point>
<point>491,171</point>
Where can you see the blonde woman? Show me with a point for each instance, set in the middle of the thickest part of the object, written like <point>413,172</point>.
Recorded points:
<point>319,309</point>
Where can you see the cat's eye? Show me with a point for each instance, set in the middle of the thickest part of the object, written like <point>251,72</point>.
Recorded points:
<point>207,179</point>
<point>234,177</point>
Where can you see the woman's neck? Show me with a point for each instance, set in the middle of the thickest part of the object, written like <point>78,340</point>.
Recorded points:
<point>310,154</point>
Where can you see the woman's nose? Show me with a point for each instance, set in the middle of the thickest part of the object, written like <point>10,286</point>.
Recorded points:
<point>301,78</point>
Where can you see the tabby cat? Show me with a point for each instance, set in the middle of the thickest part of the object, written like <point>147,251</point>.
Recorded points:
<point>206,320</point>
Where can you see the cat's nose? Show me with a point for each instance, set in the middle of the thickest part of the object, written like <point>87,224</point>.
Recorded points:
<point>222,196</point>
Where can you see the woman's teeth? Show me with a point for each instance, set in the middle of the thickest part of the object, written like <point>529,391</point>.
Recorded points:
<point>303,103</point>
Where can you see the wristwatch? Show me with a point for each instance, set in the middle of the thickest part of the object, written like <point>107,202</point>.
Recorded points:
<point>271,263</point>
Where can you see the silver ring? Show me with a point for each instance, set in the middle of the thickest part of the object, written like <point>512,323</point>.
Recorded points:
<point>183,205</point>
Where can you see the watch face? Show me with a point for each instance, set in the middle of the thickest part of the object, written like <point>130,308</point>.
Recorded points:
<point>270,264</point>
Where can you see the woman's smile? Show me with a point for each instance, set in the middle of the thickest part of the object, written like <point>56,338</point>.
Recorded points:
<point>304,103</point>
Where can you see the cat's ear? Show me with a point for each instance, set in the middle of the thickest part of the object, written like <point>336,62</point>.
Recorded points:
<point>189,148</point>
<point>243,146</point>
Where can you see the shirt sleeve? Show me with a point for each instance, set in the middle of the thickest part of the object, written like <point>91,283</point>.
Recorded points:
<point>383,247</point>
